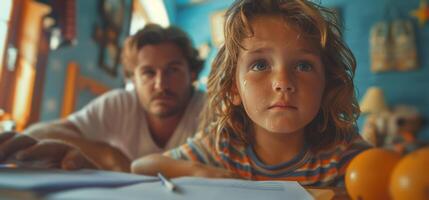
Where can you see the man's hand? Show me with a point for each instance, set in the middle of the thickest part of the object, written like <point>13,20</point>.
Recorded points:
<point>55,154</point>
<point>26,151</point>
<point>103,154</point>
<point>12,142</point>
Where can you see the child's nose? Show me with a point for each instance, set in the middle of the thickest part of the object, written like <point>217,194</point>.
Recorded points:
<point>283,83</point>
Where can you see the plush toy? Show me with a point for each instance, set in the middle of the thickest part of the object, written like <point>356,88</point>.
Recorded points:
<point>394,129</point>
<point>408,122</point>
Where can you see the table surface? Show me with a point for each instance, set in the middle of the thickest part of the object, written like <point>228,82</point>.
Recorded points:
<point>319,193</point>
<point>325,193</point>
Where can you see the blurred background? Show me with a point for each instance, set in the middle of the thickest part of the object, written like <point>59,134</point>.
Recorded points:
<point>57,55</point>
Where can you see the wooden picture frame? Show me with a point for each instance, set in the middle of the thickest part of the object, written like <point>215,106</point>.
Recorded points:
<point>76,83</point>
<point>109,56</point>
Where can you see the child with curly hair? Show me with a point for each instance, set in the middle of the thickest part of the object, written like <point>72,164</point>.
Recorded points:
<point>281,102</point>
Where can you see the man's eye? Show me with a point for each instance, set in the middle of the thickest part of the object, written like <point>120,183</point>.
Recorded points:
<point>260,65</point>
<point>148,73</point>
<point>304,66</point>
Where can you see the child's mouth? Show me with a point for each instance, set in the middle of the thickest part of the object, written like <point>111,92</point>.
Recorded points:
<point>282,105</point>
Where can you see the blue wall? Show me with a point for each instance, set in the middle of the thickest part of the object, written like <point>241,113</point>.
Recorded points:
<point>195,20</point>
<point>170,6</point>
<point>358,16</point>
<point>408,88</point>
<point>85,53</point>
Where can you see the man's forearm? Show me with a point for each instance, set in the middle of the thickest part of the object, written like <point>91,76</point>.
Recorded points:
<point>52,130</point>
<point>104,155</point>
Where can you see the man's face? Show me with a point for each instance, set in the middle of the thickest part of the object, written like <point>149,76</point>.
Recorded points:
<point>163,79</point>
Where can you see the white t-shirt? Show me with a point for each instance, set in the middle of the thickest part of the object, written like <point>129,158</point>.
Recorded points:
<point>117,118</point>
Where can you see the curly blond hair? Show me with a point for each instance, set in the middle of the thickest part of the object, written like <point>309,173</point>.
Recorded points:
<point>339,108</point>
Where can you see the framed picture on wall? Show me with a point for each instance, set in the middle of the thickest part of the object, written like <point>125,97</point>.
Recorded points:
<point>109,56</point>
<point>107,34</point>
<point>216,24</point>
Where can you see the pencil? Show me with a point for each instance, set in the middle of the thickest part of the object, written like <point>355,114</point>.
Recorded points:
<point>167,183</point>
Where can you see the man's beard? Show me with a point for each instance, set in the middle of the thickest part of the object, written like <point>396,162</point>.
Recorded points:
<point>170,110</point>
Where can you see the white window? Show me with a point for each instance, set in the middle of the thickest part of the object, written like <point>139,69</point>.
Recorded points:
<point>148,11</point>
<point>4,23</point>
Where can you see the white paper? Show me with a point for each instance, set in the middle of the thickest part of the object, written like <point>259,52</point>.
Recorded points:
<point>195,188</point>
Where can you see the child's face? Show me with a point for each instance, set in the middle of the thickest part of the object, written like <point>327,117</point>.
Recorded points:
<point>280,77</point>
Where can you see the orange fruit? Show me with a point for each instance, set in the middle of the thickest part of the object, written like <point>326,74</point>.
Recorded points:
<point>368,174</point>
<point>410,178</point>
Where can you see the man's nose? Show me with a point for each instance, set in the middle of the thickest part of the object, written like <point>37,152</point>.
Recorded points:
<point>283,81</point>
<point>160,81</point>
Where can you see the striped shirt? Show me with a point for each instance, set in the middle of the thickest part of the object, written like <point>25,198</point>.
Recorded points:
<point>323,168</point>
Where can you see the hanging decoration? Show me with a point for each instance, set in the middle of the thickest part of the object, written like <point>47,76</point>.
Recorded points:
<point>393,43</point>
<point>422,13</point>
<point>393,46</point>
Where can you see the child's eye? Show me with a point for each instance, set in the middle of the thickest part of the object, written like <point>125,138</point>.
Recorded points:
<point>172,70</point>
<point>259,65</point>
<point>304,66</point>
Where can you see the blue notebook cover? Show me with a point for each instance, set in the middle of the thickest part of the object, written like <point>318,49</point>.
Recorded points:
<point>51,180</point>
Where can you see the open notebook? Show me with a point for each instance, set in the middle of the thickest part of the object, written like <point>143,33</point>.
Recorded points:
<point>95,184</point>
<point>43,181</point>
<point>190,188</point>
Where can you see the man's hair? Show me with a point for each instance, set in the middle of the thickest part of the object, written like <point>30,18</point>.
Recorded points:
<point>153,34</point>
<point>339,108</point>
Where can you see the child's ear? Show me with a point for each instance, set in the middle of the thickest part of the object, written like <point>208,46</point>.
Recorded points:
<point>235,96</point>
